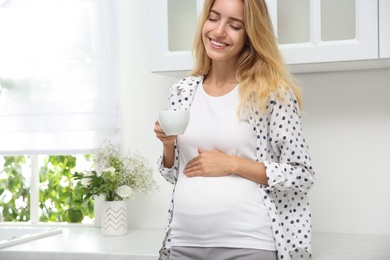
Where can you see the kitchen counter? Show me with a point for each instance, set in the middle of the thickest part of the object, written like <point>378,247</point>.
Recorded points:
<point>82,243</point>
<point>86,243</point>
<point>330,246</point>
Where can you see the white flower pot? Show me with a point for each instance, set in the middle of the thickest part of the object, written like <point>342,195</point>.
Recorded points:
<point>114,218</point>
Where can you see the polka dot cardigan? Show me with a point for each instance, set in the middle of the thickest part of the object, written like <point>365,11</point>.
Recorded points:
<point>281,146</point>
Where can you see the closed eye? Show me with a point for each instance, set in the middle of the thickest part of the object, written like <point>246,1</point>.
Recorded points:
<point>235,28</point>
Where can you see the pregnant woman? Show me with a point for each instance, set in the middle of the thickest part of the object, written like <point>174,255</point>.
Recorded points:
<point>241,171</point>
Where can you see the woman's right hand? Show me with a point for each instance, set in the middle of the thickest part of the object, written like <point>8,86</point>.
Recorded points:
<point>168,144</point>
<point>160,134</point>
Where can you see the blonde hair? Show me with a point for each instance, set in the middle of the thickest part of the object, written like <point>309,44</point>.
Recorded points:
<point>260,68</point>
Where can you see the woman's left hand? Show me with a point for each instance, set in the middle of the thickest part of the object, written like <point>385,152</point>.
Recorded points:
<point>210,163</point>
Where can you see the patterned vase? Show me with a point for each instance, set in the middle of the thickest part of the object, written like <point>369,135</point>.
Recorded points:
<point>114,218</point>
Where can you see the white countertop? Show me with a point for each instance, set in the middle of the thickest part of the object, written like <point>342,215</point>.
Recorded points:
<point>81,243</point>
<point>330,246</point>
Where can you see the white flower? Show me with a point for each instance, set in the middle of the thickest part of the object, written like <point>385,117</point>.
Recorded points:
<point>111,170</point>
<point>98,172</point>
<point>44,185</point>
<point>86,180</point>
<point>124,191</point>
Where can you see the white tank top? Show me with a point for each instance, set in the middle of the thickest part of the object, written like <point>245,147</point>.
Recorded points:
<point>218,211</point>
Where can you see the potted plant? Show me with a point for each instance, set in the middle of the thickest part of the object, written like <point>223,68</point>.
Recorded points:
<point>116,177</point>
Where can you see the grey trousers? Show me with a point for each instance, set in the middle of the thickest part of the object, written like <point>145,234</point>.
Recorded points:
<point>220,253</point>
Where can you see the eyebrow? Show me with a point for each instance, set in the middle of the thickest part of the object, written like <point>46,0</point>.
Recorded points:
<point>230,18</point>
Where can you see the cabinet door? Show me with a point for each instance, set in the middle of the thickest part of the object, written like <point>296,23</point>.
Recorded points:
<point>323,32</point>
<point>384,29</point>
<point>173,26</point>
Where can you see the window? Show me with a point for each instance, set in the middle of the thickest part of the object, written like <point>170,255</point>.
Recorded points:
<point>40,188</point>
<point>57,75</point>
<point>58,79</point>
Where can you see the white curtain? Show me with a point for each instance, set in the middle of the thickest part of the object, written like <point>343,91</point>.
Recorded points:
<point>58,76</point>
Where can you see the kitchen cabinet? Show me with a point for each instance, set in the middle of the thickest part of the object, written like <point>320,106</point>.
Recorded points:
<point>172,30</point>
<point>384,31</point>
<point>313,35</point>
<point>326,31</point>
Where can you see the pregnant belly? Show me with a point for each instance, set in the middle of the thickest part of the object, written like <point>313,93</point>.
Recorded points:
<point>209,195</point>
<point>222,211</point>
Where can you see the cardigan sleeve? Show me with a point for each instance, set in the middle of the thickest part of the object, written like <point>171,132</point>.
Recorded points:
<point>180,98</point>
<point>174,102</point>
<point>288,166</point>
<point>169,174</point>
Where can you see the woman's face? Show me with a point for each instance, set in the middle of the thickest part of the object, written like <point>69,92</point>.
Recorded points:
<point>224,34</point>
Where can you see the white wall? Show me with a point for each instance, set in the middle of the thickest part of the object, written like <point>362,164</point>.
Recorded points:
<point>347,124</point>
<point>143,94</point>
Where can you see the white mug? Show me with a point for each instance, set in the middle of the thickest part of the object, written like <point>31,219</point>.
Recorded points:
<point>174,122</point>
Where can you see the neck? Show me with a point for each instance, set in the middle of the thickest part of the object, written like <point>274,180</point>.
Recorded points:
<point>219,77</point>
<point>219,82</point>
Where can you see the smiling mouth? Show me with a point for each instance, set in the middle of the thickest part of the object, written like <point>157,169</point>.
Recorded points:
<point>217,44</point>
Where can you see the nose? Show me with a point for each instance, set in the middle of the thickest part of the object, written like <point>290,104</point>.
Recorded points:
<point>220,30</point>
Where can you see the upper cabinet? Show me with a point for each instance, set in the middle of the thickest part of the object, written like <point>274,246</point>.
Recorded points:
<point>384,31</point>
<point>313,35</point>
<point>172,30</point>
